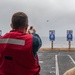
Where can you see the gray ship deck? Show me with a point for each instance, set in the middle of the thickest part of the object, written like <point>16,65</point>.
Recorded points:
<point>56,62</point>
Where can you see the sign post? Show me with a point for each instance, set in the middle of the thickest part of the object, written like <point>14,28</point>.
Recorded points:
<point>69,44</point>
<point>51,37</point>
<point>69,37</point>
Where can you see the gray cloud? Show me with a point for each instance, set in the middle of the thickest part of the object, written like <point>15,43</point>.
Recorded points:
<point>44,15</point>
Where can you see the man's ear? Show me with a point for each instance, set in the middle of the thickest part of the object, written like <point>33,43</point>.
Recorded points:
<point>26,27</point>
<point>11,26</point>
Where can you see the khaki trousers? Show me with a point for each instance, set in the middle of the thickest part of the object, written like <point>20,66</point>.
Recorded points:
<point>70,71</point>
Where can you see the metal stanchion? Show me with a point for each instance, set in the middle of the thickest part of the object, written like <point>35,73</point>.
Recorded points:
<point>69,44</point>
<point>51,44</point>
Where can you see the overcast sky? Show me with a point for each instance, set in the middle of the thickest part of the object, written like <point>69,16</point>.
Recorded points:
<point>44,15</point>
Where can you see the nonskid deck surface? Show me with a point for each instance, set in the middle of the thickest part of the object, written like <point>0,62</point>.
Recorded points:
<point>56,62</point>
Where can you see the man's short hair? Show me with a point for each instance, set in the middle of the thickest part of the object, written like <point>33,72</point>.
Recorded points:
<point>19,20</point>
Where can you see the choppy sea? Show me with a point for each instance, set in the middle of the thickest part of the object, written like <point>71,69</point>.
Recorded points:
<point>60,42</point>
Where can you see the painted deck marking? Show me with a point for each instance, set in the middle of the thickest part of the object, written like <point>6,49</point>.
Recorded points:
<point>57,67</point>
<point>71,59</point>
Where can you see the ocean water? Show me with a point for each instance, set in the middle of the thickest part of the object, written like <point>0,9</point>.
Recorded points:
<point>60,42</point>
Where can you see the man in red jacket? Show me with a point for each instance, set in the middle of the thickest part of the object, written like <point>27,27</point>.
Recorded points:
<point>19,49</point>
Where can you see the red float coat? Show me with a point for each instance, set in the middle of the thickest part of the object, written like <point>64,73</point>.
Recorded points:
<point>17,57</point>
